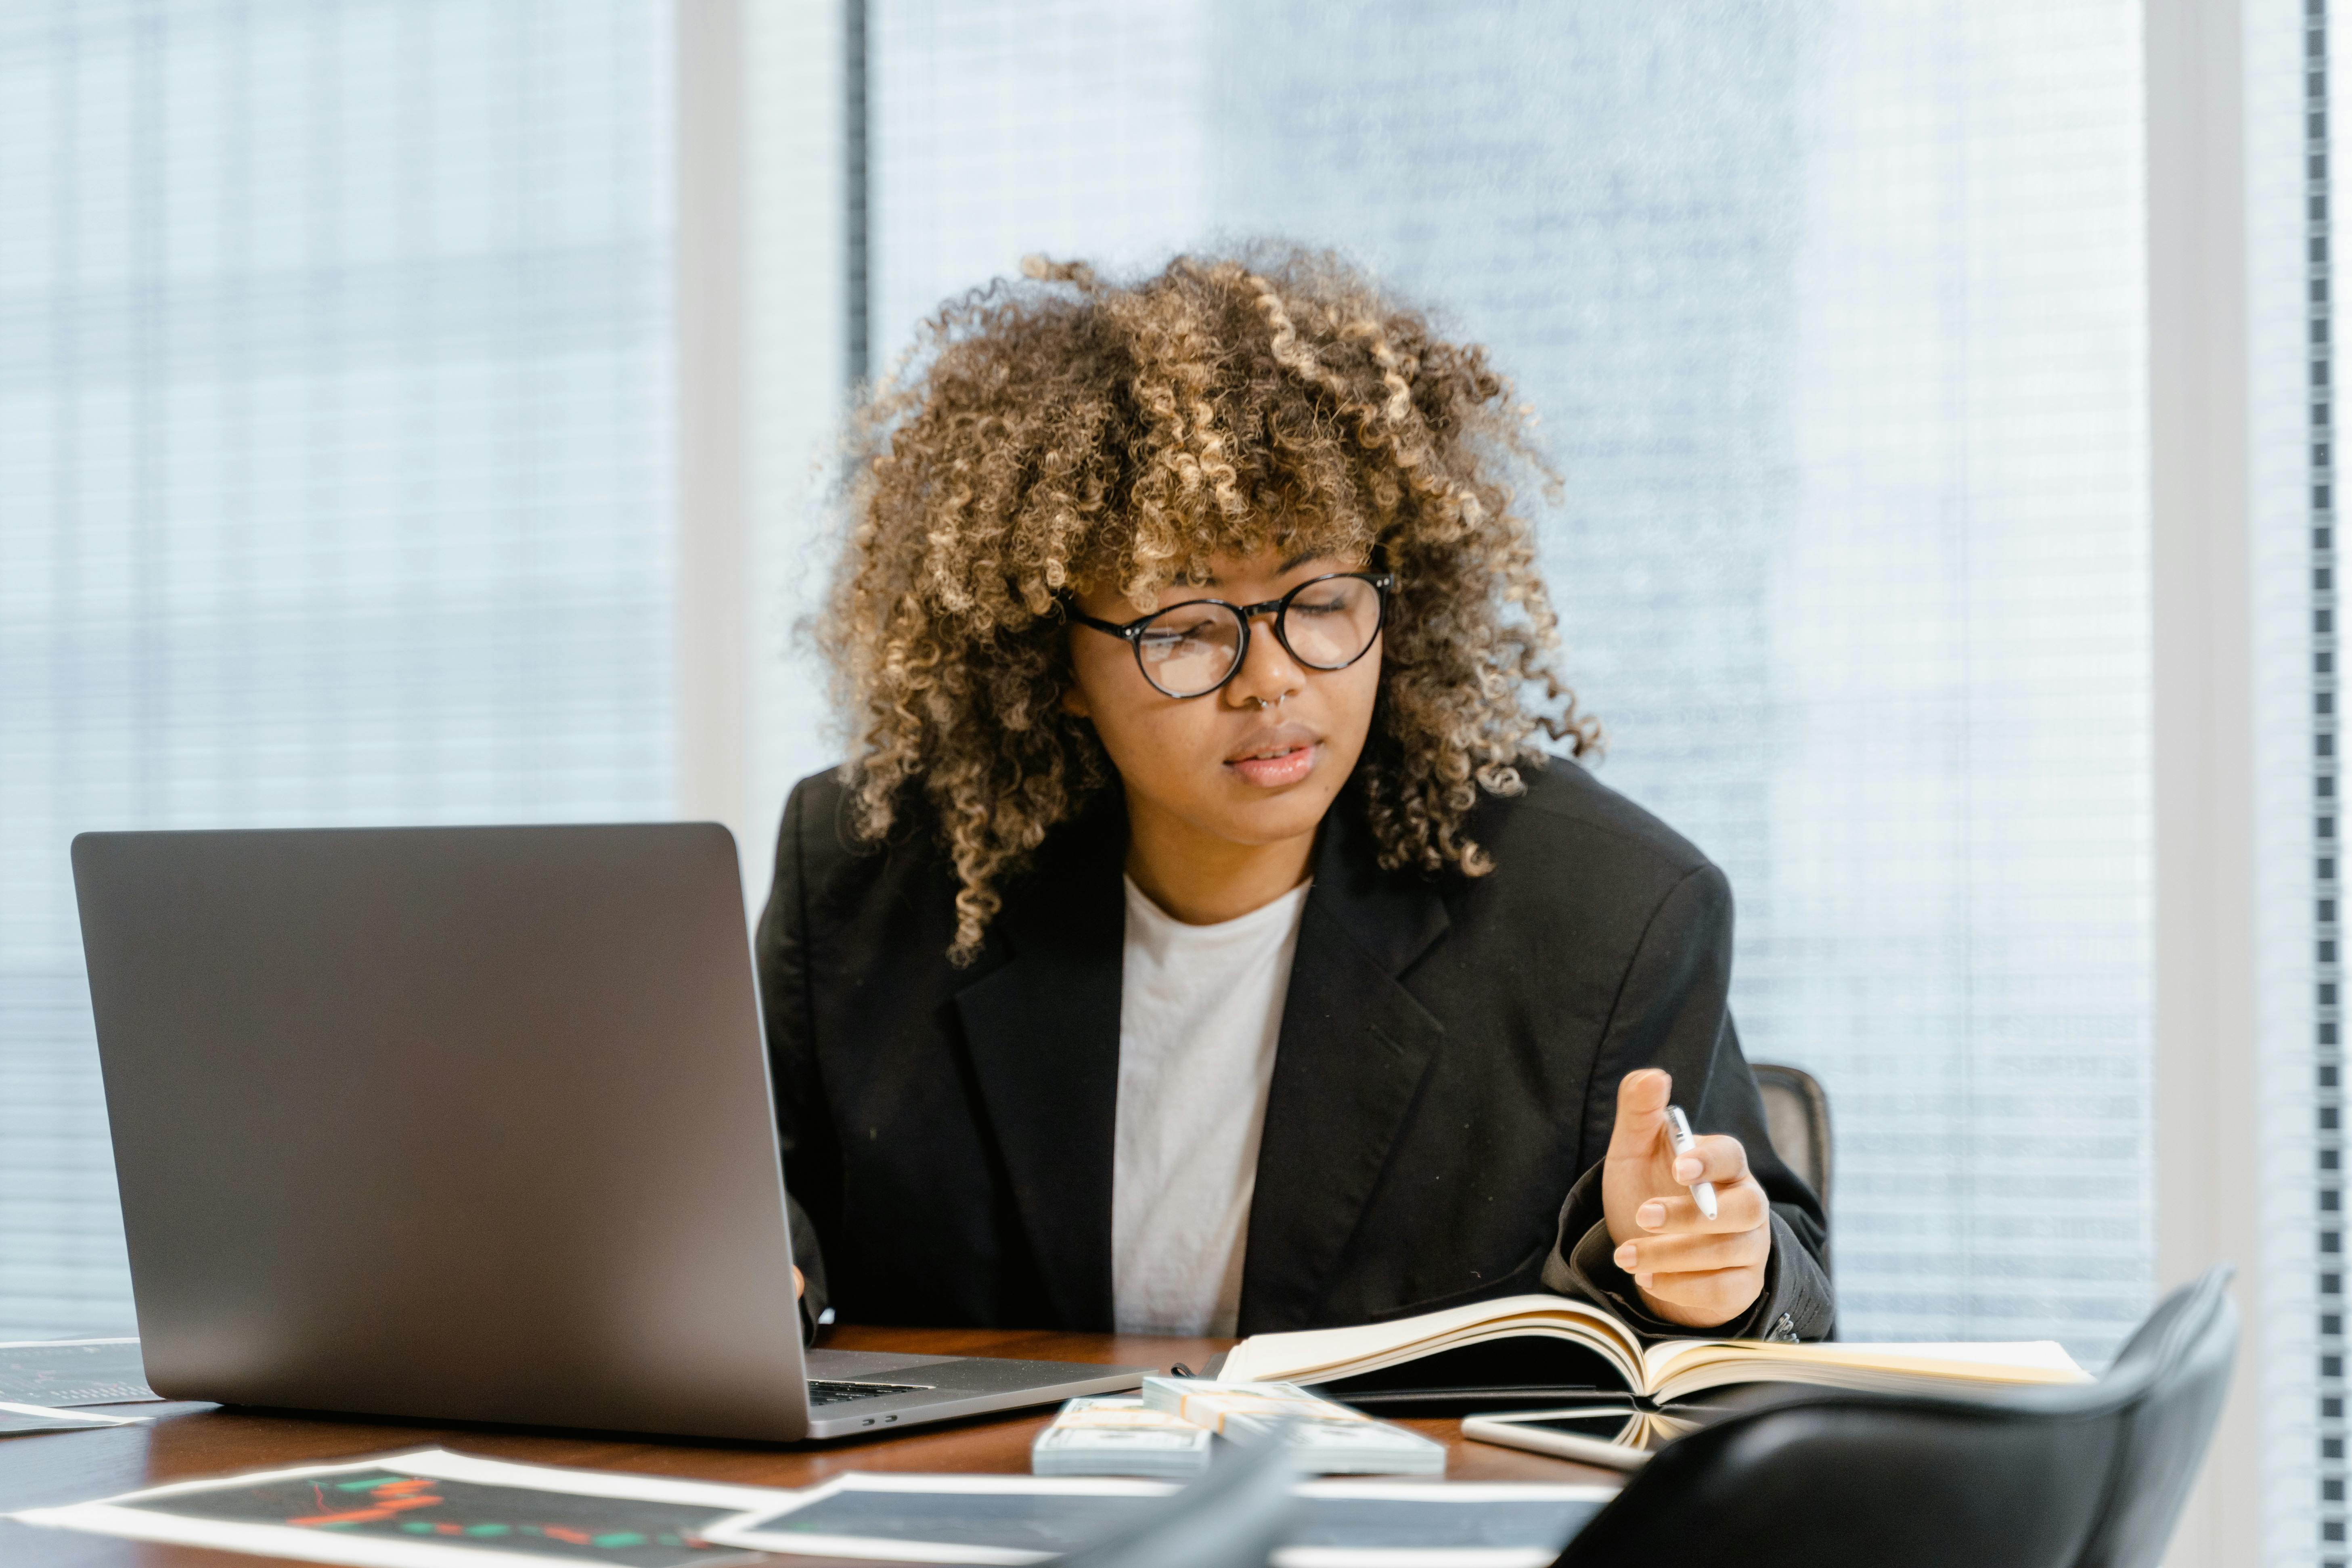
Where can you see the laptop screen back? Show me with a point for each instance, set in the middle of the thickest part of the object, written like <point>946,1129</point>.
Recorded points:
<point>459,1123</point>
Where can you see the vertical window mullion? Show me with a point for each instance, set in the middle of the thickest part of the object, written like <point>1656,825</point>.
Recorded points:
<point>2325,819</point>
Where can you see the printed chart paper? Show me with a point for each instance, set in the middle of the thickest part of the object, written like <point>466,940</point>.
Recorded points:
<point>428,1508</point>
<point>73,1372</point>
<point>1008,1522</point>
<point>16,1419</point>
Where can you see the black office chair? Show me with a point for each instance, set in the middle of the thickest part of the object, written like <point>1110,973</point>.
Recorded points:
<point>1233,1517</point>
<point>1797,1119</point>
<point>2088,1476</point>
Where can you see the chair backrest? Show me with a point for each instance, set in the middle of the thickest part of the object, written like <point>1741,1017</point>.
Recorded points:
<point>1233,1517</point>
<point>2183,1355</point>
<point>2088,1476</point>
<point>1797,1118</point>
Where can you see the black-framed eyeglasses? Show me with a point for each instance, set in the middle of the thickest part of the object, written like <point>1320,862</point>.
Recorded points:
<point>1192,648</point>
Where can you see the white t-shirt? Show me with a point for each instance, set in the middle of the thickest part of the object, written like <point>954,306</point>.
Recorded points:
<point>1200,1013</point>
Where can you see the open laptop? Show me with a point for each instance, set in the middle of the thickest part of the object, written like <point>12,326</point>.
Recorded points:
<point>468,1123</point>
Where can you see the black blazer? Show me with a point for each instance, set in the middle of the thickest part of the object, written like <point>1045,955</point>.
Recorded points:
<point>1445,1075</point>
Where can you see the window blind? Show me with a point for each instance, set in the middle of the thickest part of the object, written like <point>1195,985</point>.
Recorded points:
<point>334,469</point>
<point>2296,1259</point>
<point>1833,315</point>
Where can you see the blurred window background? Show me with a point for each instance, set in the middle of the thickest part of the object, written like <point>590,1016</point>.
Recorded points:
<point>348,350</point>
<point>340,435</point>
<point>335,346</point>
<point>1834,318</point>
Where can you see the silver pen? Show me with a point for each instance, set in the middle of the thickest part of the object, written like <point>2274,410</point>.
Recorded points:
<point>1678,1134</point>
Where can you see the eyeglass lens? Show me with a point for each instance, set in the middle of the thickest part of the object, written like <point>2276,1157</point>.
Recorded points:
<point>1190,648</point>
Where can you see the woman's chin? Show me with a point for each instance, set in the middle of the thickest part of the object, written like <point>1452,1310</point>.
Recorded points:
<point>1266,816</point>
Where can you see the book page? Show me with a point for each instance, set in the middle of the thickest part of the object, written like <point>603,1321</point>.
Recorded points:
<point>1677,1366</point>
<point>1320,1356</point>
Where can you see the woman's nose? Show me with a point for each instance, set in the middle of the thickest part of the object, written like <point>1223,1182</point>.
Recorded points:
<point>1268,673</point>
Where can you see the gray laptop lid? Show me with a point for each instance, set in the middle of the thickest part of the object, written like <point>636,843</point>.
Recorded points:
<point>464,1123</point>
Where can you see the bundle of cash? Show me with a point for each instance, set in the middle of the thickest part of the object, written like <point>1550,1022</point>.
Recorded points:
<point>1115,1434</point>
<point>1325,1440</point>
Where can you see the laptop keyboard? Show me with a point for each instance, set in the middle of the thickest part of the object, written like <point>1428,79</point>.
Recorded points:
<point>821,1392</point>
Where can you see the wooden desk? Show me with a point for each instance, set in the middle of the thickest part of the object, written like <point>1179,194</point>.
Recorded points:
<point>186,1441</point>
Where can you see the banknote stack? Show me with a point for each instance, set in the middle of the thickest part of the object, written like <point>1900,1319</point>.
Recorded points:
<point>1116,1434</point>
<point>1325,1440</point>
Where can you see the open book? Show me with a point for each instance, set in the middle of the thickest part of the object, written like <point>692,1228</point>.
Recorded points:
<point>1523,1351</point>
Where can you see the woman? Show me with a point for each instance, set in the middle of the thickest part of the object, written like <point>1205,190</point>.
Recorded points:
<point>1199,940</point>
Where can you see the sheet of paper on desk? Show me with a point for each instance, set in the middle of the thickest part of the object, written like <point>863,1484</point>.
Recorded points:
<point>1010,1520</point>
<point>73,1372</point>
<point>20,1418</point>
<point>428,1508</point>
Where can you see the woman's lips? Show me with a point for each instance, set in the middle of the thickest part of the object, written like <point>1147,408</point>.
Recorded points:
<point>1275,771</point>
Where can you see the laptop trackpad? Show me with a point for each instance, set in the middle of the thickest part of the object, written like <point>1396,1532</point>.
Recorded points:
<point>848,1366</point>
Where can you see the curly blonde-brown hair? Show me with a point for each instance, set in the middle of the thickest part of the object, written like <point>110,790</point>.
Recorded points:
<point>1071,431</point>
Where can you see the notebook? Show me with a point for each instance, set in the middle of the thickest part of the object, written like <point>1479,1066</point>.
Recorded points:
<point>1524,1352</point>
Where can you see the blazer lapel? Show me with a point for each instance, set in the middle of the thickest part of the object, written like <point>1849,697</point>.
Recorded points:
<point>1354,1045</point>
<point>1044,1035</point>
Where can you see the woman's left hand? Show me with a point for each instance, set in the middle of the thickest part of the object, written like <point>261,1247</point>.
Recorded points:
<point>1690,1270</point>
